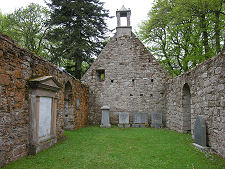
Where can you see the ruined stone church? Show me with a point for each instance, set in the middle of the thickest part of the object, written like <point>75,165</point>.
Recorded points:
<point>39,100</point>
<point>128,79</point>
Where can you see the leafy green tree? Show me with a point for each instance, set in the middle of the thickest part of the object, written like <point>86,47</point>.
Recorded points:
<point>183,33</point>
<point>3,23</point>
<point>28,27</point>
<point>79,26</point>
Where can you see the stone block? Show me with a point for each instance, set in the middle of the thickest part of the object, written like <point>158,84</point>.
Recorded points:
<point>1,53</point>
<point>19,96</point>
<point>17,73</point>
<point>4,79</point>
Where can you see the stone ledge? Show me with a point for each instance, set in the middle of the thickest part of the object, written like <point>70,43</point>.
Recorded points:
<point>201,148</point>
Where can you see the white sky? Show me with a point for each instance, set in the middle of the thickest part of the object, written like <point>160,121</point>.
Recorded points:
<point>139,9</point>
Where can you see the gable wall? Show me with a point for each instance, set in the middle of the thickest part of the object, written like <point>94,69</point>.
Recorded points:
<point>17,66</point>
<point>132,68</point>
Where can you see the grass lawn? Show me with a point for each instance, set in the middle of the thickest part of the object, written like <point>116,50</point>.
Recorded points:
<point>132,148</point>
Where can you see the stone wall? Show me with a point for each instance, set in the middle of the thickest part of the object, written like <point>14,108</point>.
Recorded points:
<point>126,77</point>
<point>207,90</point>
<point>17,66</point>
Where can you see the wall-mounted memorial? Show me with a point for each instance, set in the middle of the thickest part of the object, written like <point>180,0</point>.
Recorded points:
<point>43,113</point>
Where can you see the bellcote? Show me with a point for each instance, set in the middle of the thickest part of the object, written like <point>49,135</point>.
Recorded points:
<point>123,30</point>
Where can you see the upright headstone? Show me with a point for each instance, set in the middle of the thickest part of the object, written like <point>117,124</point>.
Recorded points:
<point>156,118</point>
<point>124,120</point>
<point>105,117</point>
<point>200,132</point>
<point>140,119</point>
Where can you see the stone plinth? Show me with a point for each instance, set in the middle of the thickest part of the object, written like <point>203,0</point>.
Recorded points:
<point>105,117</point>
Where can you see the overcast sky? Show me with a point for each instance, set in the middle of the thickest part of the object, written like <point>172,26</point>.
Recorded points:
<point>139,9</point>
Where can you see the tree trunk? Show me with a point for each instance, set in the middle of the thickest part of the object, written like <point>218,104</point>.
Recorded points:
<point>204,34</point>
<point>217,31</point>
<point>78,65</point>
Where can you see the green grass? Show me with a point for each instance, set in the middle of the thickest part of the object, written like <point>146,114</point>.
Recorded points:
<point>131,148</point>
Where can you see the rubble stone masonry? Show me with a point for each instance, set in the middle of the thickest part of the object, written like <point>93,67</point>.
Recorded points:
<point>133,80</point>
<point>207,91</point>
<point>126,77</point>
<point>17,66</point>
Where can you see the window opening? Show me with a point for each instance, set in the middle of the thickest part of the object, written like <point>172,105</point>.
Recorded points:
<point>100,75</point>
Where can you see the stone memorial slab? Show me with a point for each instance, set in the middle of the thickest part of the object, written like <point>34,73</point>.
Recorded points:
<point>200,132</point>
<point>144,118</point>
<point>137,118</point>
<point>140,119</point>
<point>45,118</point>
<point>124,120</point>
<point>156,118</point>
<point>105,117</point>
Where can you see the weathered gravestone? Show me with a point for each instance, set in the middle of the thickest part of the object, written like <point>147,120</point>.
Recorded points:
<point>105,117</point>
<point>156,118</point>
<point>200,138</point>
<point>200,132</point>
<point>140,119</point>
<point>123,120</point>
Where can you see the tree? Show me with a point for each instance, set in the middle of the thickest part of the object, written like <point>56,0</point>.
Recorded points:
<point>79,27</point>
<point>183,33</point>
<point>3,23</point>
<point>27,26</point>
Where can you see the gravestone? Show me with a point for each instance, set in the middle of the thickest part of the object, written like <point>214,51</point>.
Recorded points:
<point>156,118</point>
<point>200,132</point>
<point>140,119</point>
<point>105,117</point>
<point>123,120</point>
